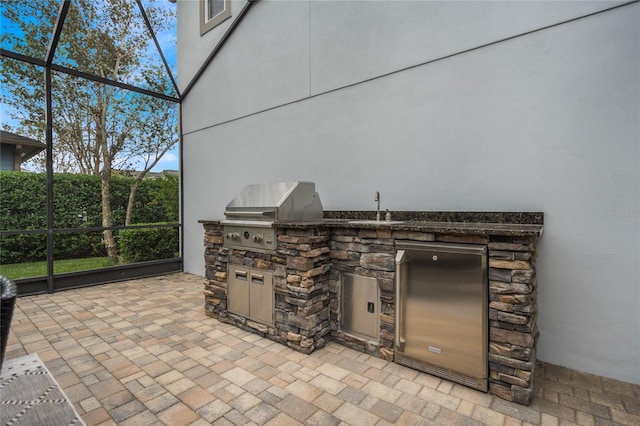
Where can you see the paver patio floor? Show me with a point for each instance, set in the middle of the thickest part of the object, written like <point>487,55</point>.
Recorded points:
<point>143,352</point>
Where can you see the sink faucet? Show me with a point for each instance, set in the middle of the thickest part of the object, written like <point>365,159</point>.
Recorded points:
<point>377,199</point>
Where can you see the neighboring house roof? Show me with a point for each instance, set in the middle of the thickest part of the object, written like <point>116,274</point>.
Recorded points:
<point>25,147</point>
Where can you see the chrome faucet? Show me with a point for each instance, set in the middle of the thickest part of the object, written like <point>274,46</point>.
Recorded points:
<point>377,199</point>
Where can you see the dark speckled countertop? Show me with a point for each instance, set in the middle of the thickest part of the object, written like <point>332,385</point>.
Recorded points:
<point>470,223</point>
<point>468,228</point>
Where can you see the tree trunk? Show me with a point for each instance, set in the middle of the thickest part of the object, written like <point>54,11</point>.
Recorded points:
<point>109,240</point>
<point>132,198</point>
<point>107,159</point>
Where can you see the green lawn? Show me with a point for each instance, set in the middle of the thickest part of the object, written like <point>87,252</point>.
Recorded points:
<point>37,269</point>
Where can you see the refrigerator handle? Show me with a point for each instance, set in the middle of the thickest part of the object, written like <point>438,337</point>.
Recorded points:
<point>400,260</point>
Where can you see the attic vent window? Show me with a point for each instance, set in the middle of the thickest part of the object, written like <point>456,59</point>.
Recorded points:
<point>212,13</point>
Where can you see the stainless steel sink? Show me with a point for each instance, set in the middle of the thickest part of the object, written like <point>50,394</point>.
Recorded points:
<point>375,222</point>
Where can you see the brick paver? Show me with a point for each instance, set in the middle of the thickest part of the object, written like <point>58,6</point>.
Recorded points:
<point>144,352</point>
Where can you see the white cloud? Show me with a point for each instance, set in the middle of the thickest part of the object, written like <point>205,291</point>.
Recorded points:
<point>169,161</point>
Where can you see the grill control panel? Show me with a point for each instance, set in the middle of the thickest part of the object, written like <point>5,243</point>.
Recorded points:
<point>249,238</point>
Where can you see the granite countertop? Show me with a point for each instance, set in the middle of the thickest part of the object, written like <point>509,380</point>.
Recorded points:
<point>470,223</point>
<point>471,228</point>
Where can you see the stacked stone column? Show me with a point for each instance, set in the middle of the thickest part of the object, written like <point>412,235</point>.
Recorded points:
<point>512,318</point>
<point>301,286</point>
<point>215,263</point>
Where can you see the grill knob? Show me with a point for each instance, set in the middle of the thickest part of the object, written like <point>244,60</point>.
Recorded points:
<point>234,236</point>
<point>258,238</point>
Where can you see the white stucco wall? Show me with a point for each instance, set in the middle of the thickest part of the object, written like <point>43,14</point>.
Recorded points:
<point>194,48</point>
<point>547,121</point>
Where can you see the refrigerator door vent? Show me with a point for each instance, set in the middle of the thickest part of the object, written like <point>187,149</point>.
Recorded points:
<point>442,372</point>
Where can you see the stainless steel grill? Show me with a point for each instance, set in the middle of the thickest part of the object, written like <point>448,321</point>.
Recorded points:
<point>252,214</point>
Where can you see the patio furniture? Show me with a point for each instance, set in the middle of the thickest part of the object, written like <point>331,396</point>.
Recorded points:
<point>8,301</point>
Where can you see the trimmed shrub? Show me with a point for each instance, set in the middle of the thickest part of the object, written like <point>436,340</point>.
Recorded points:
<point>142,244</point>
<point>76,204</point>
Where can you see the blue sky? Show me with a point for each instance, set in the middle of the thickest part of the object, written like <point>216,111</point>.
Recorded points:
<point>167,41</point>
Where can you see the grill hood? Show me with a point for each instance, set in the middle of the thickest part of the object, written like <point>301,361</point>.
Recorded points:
<point>276,202</point>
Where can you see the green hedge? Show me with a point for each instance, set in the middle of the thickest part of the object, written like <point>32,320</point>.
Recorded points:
<point>139,245</point>
<point>77,204</point>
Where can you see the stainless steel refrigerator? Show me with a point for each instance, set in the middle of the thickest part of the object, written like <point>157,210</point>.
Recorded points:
<point>442,310</point>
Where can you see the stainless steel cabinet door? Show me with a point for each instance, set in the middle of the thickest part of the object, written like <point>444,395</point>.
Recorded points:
<point>443,306</point>
<point>360,306</point>
<point>238,290</point>
<point>261,295</point>
<point>250,293</point>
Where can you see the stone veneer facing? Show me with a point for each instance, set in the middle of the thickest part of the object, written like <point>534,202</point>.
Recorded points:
<point>370,253</point>
<point>513,311</point>
<point>300,266</point>
<point>307,268</point>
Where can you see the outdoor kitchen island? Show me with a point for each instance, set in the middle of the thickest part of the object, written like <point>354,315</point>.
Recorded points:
<point>318,265</point>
